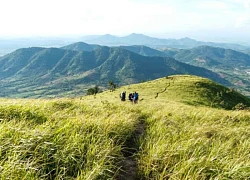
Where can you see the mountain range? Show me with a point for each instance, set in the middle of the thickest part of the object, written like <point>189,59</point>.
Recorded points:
<point>9,45</point>
<point>140,39</point>
<point>49,72</point>
<point>204,56</point>
<point>234,66</point>
<point>139,49</point>
<point>207,56</point>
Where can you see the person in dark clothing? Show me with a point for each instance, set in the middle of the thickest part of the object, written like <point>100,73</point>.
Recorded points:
<point>130,96</point>
<point>135,98</point>
<point>123,96</point>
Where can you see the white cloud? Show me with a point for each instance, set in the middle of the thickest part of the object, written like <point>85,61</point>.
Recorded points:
<point>243,20</point>
<point>247,4</point>
<point>59,17</point>
<point>213,5</point>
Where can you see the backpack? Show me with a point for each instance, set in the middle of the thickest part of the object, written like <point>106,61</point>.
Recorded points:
<point>136,96</point>
<point>123,95</point>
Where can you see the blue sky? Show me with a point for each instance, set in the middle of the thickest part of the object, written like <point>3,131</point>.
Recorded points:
<point>200,19</point>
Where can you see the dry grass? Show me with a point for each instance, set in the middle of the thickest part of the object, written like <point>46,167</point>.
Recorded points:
<point>184,137</point>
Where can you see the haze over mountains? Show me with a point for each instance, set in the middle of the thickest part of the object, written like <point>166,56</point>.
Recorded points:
<point>140,39</point>
<point>9,45</point>
<point>71,69</point>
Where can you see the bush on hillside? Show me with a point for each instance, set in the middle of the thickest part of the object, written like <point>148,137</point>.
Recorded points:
<point>93,91</point>
<point>240,106</point>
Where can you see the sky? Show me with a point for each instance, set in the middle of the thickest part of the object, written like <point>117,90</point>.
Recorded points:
<point>200,19</point>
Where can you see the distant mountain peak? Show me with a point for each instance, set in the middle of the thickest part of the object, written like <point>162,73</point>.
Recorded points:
<point>81,43</point>
<point>108,35</point>
<point>187,39</point>
<point>136,35</point>
<point>141,39</point>
<point>81,46</point>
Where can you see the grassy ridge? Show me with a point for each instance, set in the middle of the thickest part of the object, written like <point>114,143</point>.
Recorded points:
<point>75,141</point>
<point>184,134</point>
<point>192,90</point>
<point>183,142</point>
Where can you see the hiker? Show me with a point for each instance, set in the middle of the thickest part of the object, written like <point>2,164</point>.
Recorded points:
<point>135,98</point>
<point>123,96</point>
<point>131,96</point>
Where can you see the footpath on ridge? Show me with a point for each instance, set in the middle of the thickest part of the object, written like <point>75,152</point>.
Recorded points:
<point>129,166</point>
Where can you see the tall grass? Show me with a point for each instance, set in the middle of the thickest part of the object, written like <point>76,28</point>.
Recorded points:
<point>76,140</point>
<point>186,143</point>
<point>179,128</point>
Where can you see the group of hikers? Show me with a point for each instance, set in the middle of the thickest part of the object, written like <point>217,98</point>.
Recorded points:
<point>133,97</point>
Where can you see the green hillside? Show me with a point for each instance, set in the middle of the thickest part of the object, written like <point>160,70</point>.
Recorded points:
<point>50,72</point>
<point>232,65</point>
<point>207,56</point>
<point>139,49</point>
<point>183,133</point>
<point>144,50</point>
<point>191,90</point>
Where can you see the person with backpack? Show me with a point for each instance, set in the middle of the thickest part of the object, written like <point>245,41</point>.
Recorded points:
<point>131,96</point>
<point>135,98</point>
<point>123,96</point>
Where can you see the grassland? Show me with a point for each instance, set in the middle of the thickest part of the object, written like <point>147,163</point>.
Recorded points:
<point>182,128</point>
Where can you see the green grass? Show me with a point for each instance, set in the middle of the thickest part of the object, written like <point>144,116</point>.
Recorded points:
<point>190,90</point>
<point>195,143</point>
<point>184,133</point>
<point>70,140</point>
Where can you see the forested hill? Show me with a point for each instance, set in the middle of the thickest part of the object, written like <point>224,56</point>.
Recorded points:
<point>38,72</point>
<point>139,49</point>
<point>207,56</point>
<point>81,46</point>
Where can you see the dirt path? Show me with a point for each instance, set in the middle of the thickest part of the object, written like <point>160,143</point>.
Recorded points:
<point>129,166</point>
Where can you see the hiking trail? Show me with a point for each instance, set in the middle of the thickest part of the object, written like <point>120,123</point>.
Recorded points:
<point>129,166</point>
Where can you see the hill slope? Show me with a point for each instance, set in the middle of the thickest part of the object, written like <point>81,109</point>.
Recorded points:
<point>207,56</point>
<point>177,135</point>
<point>35,72</point>
<point>190,90</point>
<point>144,50</point>
<point>234,66</point>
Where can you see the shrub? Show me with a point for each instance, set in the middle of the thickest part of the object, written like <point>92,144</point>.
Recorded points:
<point>239,106</point>
<point>93,91</point>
